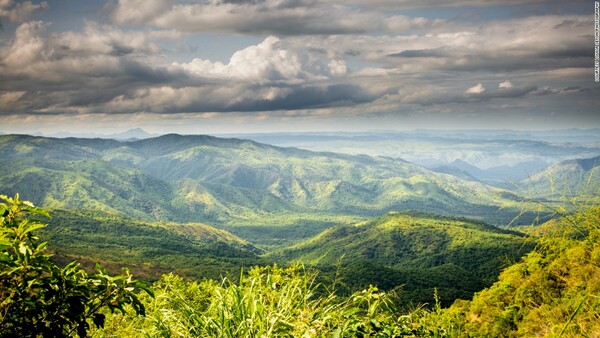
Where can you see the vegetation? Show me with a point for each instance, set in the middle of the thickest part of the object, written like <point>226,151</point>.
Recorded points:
<point>302,254</point>
<point>40,299</point>
<point>569,178</point>
<point>149,249</point>
<point>268,302</point>
<point>416,250</point>
<point>553,291</point>
<point>226,182</point>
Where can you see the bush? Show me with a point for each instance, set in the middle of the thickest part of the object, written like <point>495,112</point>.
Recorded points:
<point>38,298</point>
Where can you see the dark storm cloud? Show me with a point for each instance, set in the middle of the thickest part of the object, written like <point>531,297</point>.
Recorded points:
<point>310,97</point>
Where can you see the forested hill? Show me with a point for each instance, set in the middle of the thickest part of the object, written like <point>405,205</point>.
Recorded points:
<point>230,181</point>
<point>417,250</point>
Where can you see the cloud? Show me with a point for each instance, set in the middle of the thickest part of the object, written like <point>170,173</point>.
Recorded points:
<point>412,4</point>
<point>102,69</point>
<point>19,11</point>
<point>477,89</point>
<point>271,61</point>
<point>477,93</point>
<point>505,84</point>
<point>533,42</point>
<point>277,17</point>
<point>85,67</point>
<point>339,58</point>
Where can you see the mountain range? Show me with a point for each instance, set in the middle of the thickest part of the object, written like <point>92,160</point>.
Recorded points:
<point>231,181</point>
<point>204,206</point>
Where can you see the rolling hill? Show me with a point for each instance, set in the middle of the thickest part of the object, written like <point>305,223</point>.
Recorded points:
<point>149,249</point>
<point>418,250</point>
<point>230,181</point>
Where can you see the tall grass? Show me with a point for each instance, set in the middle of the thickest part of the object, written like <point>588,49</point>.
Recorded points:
<point>266,302</point>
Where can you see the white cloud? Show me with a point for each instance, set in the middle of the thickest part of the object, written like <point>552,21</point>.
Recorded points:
<point>477,89</point>
<point>505,84</point>
<point>270,61</point>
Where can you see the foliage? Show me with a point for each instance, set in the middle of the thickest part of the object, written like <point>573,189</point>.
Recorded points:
<point>229,181</point>
<point>554,291</point>
<point>149,249</point>
<point>570,178</point>
<point>40,299</point>
<point>268,302</point>
<point>417,250</point>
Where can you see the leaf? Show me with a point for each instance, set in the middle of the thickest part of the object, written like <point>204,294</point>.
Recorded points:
<point>32,226</point>
<point>5,243</point>
<point>23,249</point>
<point>145,287</point>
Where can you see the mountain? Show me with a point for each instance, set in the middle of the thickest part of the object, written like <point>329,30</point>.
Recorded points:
<point>503,176</point>
<point>485,149</point>
<point>567,178</point>
<point>131,134</point>
<point>418,250</point>
<point>231,181</point>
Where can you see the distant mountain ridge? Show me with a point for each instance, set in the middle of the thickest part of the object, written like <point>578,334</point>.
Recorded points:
<point>215,180</point>
<point>567,178</point>
<point>131,134</point>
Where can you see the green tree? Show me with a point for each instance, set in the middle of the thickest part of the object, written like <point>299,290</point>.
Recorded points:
<point>38,298</point>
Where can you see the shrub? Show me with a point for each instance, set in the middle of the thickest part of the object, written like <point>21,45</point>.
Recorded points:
<point>38,298</point>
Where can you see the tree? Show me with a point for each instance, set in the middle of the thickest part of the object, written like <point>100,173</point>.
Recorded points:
<point>38,298</point>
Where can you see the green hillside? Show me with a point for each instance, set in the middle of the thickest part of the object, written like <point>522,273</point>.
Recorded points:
<point>417,250</point>
<point>231,181</point>
<point>554,291</point>
<point>551,292</point>
<point>149,249</point>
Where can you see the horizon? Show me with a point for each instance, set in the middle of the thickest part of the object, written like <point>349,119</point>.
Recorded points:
<point>66,134</point>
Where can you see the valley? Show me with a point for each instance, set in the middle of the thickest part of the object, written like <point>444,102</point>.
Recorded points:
<point>204,208</point>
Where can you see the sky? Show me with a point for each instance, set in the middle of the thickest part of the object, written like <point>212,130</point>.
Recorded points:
<point>254,66</point>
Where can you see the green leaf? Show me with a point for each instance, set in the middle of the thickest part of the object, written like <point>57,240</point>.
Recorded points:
<point>5,243</point>
<point>32,226</point>
<point>145,287</point>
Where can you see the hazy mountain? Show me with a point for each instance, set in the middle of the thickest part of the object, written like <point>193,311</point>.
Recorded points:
<point>503,176</point>
<point>508,154</point>
<point>131,134</point>
<point>567,178</point>
<point>203,178</point>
